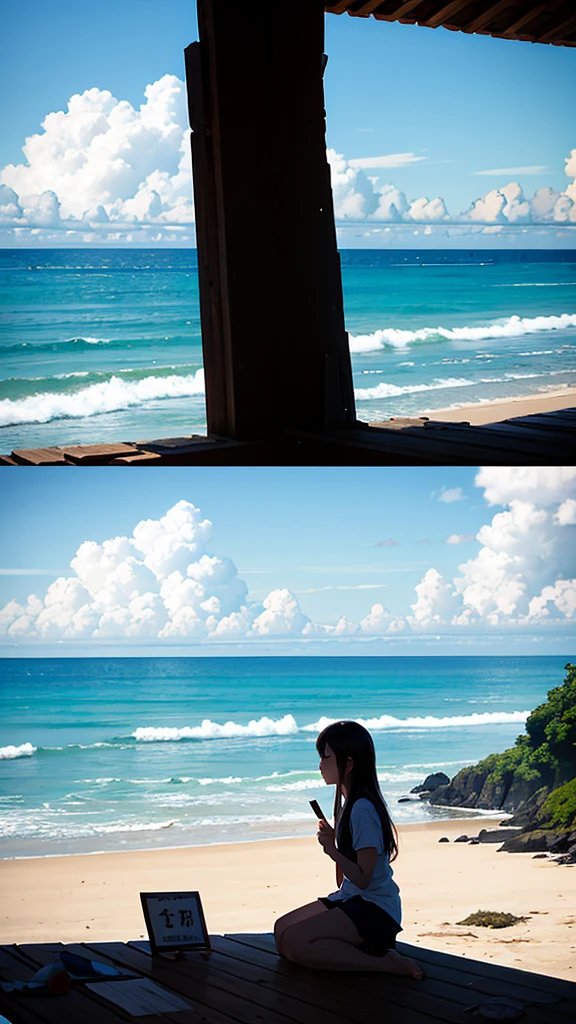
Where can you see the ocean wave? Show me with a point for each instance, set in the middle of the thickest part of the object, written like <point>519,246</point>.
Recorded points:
<point>383,390</point>
<point>110,396</point>
<point>429,721</point>
<point>285,726</point>
<point>296,787</point>
<point>305,784</point>
<point>70,345</point>
<point>24,750</point>
<point>536,284</point>
<point>20,388</point>
<point>391,390</point>
<point>511,327</point>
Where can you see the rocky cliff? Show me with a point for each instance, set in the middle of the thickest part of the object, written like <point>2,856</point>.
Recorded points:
<point>535,780</point>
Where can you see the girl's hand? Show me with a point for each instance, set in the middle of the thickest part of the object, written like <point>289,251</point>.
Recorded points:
<point>326,838</point>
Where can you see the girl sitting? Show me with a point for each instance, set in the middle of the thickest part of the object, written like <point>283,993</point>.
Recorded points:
<point>355,928</point>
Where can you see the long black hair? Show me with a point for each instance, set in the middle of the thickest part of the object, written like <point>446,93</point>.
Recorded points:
<point>350,739</point>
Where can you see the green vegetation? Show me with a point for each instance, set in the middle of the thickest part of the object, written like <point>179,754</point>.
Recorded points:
<point>559,809</point>
<point>491,919</point>
<point>547,751</point>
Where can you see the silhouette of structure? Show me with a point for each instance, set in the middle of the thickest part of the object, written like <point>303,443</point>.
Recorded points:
<point>277,365</point>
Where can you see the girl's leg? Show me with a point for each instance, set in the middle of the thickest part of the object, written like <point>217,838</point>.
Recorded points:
<point>293,918</point>
<point>329,942</point>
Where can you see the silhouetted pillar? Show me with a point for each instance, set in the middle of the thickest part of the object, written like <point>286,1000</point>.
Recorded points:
<point>275,349</point>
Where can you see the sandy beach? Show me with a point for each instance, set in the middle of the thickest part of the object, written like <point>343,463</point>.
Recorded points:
<point>246,886</point>
<point>494,412</point>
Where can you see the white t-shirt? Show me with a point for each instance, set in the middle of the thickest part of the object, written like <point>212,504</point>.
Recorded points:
<point>366,829</point>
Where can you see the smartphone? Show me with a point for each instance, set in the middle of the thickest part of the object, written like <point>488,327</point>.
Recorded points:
<point>317,810</point>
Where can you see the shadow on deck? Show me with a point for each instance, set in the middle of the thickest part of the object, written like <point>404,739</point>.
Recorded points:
<point>244,980</point>
<point>547,439</point>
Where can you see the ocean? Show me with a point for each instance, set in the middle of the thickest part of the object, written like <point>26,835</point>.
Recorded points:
<point>134,753</point>
<point>105,345</point>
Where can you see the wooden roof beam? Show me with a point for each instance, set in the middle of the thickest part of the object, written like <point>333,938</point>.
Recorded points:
<point>340,8</point>
<point>437,19</point>
<point>400,12</point>
<point>486,17</point>
<point>367,9</point>
<point>525,20</point>
<point>557,32</point>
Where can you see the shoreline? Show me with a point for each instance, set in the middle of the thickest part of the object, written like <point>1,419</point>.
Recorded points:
<point>457,814</point>
<point>86,897</point>
<point>481,413</point>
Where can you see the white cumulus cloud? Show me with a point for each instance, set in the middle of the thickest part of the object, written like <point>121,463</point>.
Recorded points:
<point>103,163</point>
<point>161,582</point>
<point>104,170</point>
<point>525,568</point>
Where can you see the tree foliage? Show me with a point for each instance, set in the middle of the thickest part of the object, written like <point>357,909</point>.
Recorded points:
<point>559,809</point>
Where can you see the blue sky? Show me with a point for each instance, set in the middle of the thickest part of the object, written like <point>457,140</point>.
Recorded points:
<point>297,560</point>
<point>452,119</point>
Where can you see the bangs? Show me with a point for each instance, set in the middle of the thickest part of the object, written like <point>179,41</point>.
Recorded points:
<point>321,743</point>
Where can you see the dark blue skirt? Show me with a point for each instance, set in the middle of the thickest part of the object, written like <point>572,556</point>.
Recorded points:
<point>377,928</point>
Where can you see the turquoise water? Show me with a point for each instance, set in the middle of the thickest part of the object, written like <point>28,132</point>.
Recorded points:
<point>109,754</point>
<point>105,344</point>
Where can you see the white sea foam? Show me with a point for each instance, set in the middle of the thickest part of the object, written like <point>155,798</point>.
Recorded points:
<point>296,787</point>
<point>511,327</point>
<point>285,726</point>
<point>306,784</point>
<point>391,390</point>
<point>24,750</point>
<point>109,396</point>
<point>439,384</point>
<point>429,721</point>
<point>228,780</point>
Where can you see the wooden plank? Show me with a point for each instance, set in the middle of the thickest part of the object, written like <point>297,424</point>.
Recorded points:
<point>484,19</point>
<point>444,986</point>
<point>83,949</point>
<point>277,982</point>
<point>439,445</point>
<point>143,459</point>
<point>503,436</point>
<point>221,996</point>
<point>189,442</point>
<point>537,982</point>
<point>533,434</point>
<point>359,996</point>
<point>39,456</point>
<point>328,991</point>
<point>96,454</point>
<point>5,460</point>
<point>496,437</point>
<point>548,422</point>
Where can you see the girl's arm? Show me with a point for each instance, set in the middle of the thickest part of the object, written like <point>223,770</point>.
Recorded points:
<point>359,872</point>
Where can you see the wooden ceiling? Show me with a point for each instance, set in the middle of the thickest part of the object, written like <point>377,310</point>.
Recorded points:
<point>530,20</point>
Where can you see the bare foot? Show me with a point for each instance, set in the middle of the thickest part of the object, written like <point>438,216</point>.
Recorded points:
<point>394,963</point>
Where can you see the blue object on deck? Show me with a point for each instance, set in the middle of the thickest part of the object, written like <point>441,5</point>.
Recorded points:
<point>80,968</point>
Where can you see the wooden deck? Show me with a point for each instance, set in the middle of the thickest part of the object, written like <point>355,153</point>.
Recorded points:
<point>547,439</point>
<point>244,980</point>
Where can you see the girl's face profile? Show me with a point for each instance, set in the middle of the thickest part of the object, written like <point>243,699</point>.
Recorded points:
<point>329,766</point>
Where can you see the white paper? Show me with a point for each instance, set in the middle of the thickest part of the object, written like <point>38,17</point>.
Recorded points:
<point>140,996</point>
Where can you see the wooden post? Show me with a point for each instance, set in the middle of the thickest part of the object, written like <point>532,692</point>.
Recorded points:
<point>275,348</point>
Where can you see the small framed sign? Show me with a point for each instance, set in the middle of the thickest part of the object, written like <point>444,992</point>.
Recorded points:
<point>175,921</point>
